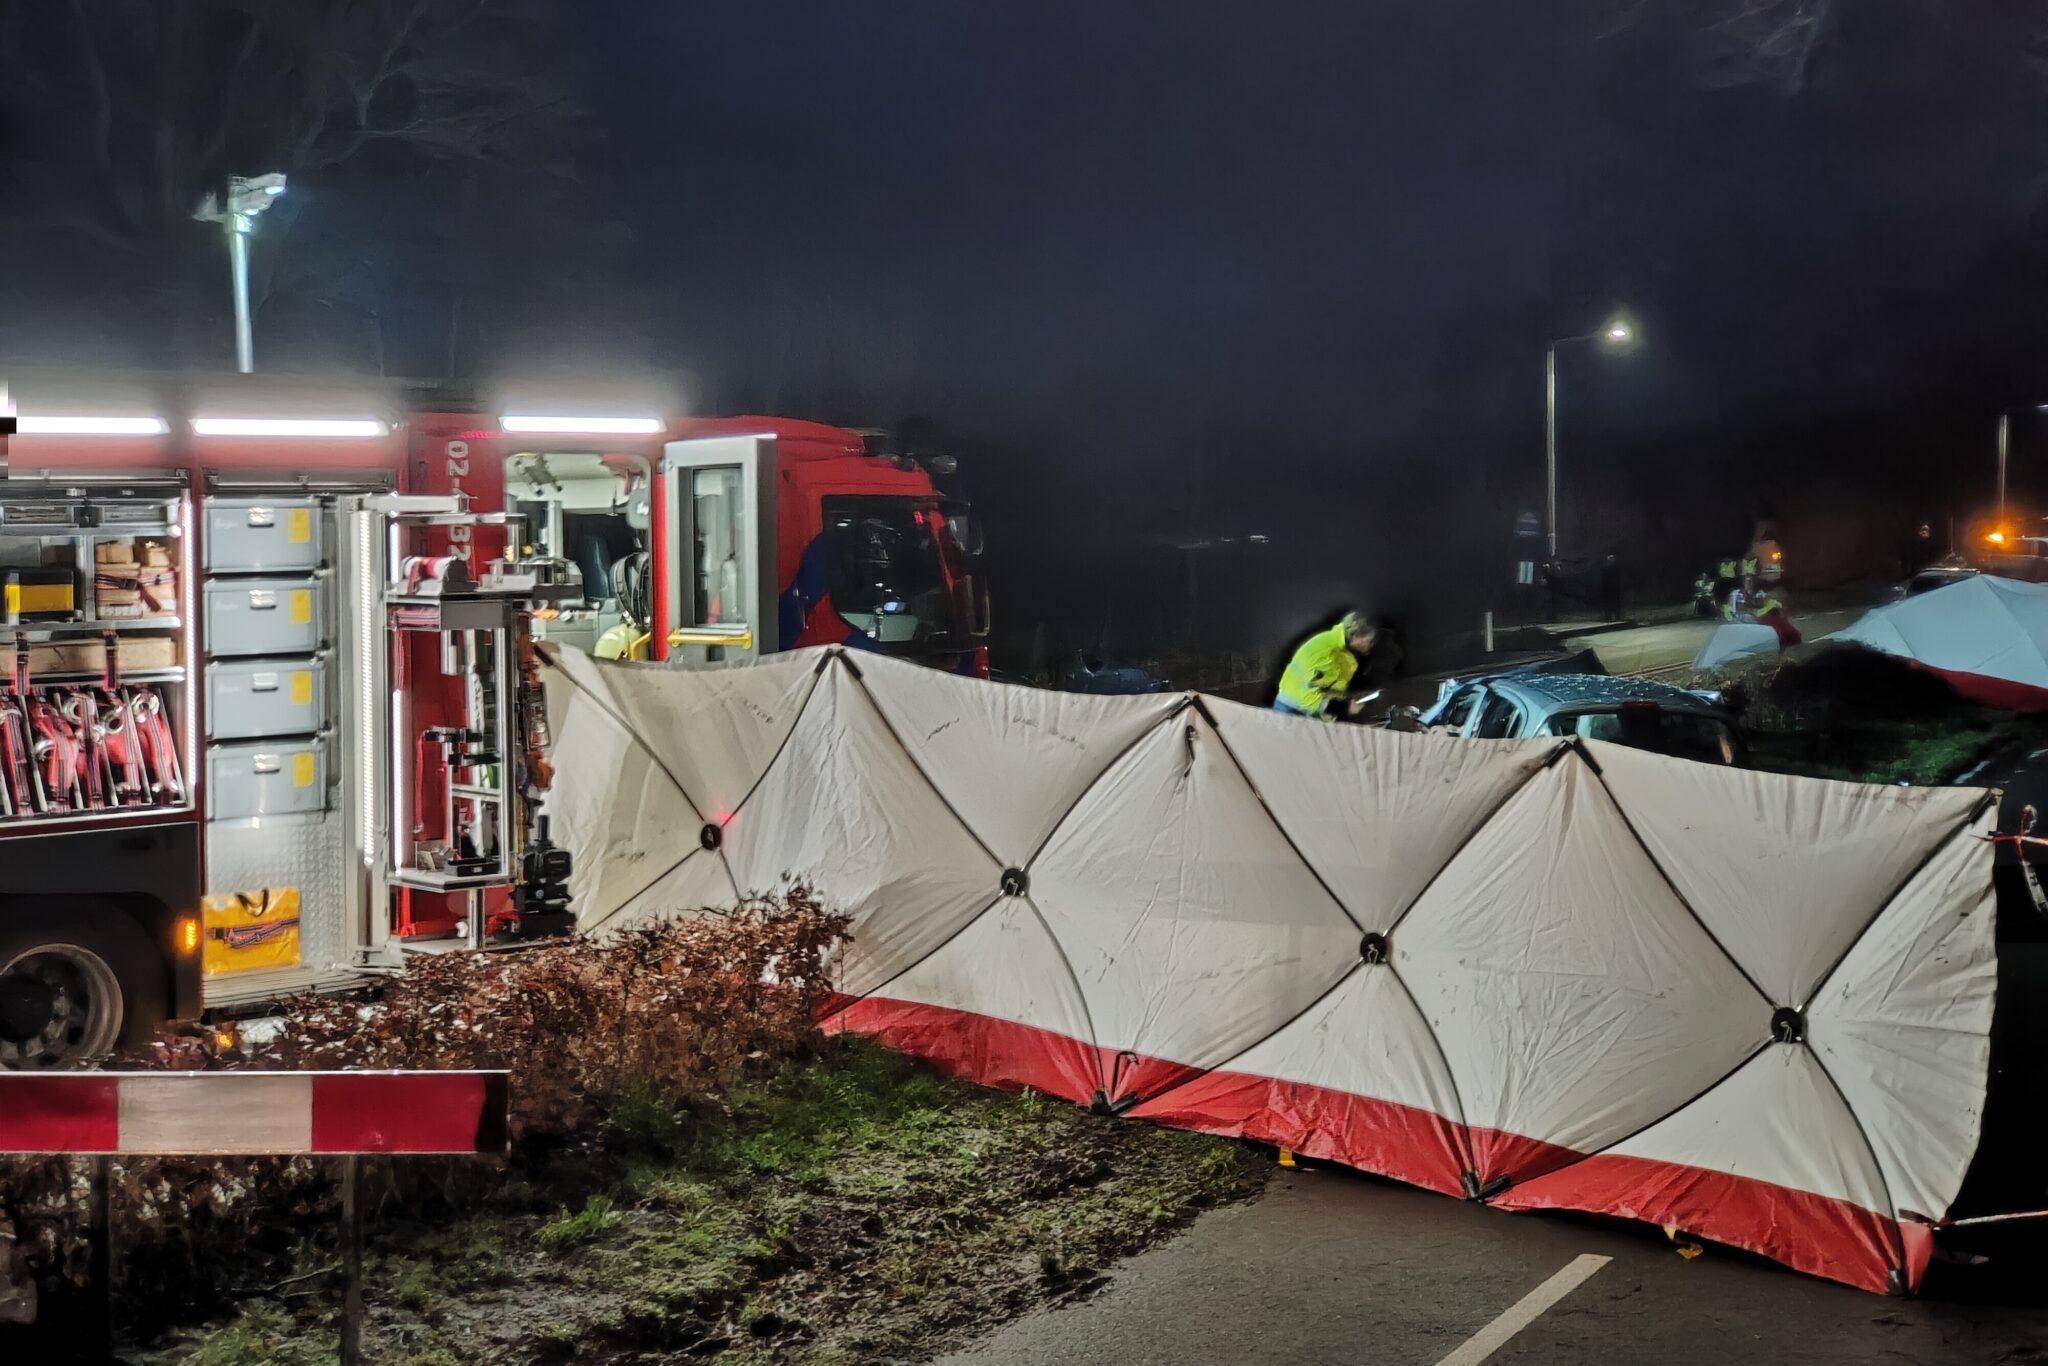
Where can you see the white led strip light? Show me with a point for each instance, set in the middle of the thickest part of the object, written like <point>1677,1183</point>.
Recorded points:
<point>580,426</point>
<point>91,426</point>
<point>188,603</point>
<point>289,426</point>
<point>369,800</point>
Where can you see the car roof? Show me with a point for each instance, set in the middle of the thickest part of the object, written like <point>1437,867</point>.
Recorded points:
<point>1587,690</point>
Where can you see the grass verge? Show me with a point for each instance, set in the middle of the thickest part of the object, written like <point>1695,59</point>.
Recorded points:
<point>847,1207</point>
<point>1920,753</point>
<point>1848,713</point>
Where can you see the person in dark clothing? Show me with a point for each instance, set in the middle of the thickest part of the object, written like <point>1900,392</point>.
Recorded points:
<point>1610,588</point>
<point>1918,552</point>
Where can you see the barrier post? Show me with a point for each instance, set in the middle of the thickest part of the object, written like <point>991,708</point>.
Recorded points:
<point>351,1261</point>
<point>100,1256</point>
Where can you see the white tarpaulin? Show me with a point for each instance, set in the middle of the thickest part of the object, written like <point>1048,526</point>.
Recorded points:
<point>1733,640</point>
<point>1986,635</point>
<point>1546,974</point>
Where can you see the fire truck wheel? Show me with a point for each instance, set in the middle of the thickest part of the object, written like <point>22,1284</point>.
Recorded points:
<point>73,992</point>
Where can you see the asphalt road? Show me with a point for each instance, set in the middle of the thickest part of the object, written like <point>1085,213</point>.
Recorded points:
<point>1334,1268</point>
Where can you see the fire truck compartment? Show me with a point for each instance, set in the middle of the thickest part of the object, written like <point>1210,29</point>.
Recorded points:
<point>255,778</point>
<point>265,616</point>
<point>251,699</point>
<point>254,535</point>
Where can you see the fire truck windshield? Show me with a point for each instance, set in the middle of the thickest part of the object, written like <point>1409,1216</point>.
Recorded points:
<point>891,576</point>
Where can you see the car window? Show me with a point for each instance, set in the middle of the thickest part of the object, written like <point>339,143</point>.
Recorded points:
<point>1682,735</point>
<point>1462,703</point>
<point>1594,725</point>
<point>1499,720</point>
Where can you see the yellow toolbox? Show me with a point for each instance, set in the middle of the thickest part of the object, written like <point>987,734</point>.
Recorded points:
<point>48,593</point>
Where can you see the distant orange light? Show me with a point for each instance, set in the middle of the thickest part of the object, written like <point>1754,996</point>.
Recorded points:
<point>188,935</point>
<point>1777,555</point>
<point>1996,538</point>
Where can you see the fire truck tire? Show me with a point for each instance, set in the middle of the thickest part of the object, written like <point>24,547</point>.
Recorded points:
<point>76,987</point>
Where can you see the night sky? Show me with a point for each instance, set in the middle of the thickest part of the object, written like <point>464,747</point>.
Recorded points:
<point>1200,268</point>
<point>1165,271</point>
<point>1322,213</point>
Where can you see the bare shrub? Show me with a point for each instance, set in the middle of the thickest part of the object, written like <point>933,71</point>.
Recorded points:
<point>676,1009</point>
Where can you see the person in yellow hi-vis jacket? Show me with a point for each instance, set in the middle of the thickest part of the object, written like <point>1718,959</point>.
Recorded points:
<point>1320,673</point>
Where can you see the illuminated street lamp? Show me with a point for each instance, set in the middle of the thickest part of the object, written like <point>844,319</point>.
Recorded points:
<point>2005,443</point>
<point>1616,334</point>
<point>248,196</point>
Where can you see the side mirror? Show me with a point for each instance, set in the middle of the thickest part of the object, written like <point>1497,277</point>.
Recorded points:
<point>964,527</point>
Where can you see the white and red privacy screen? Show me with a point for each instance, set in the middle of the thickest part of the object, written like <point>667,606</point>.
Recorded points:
<point>1753,1007</point>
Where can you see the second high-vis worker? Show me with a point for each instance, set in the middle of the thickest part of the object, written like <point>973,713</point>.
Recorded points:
<point>1318,678</point>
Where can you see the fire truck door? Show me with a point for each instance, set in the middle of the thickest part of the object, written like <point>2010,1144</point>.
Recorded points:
<point>714,535</point>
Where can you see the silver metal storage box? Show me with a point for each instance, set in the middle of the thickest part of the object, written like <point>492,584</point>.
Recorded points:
<point>262,534</point>
<point>266,778</point>
<point>265,616</point>
<point>250,698</point>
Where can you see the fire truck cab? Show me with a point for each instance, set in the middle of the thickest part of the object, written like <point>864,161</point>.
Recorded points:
<point>271,721</point>
<point>863,552</point>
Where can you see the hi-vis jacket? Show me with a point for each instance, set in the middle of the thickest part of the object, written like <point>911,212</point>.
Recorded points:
<point>1320,670</point>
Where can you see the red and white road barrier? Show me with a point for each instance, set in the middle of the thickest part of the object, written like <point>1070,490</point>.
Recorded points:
<point>253,1113</point>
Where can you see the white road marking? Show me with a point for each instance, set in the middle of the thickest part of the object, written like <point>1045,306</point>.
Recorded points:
<point>1525,1311</point>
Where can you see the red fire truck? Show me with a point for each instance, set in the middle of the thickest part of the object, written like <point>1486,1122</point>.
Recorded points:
<point>270,722</point>
<point>865,553</point>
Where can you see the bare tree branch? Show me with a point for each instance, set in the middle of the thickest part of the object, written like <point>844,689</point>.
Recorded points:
<point>1769,43</point>
<point>214,149</point>
<point>96,80</point>
<point>387,115</point>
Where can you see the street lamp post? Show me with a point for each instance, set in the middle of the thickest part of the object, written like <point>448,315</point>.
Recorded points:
<point>2005,444</point>
<point>1550,452</point>
<point>247,197</point>
<point>1618,333</point>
